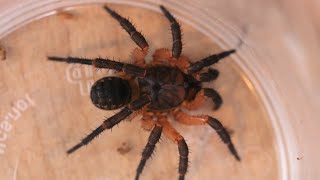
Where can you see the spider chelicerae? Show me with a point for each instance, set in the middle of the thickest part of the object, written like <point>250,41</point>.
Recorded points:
<point>163,87</point>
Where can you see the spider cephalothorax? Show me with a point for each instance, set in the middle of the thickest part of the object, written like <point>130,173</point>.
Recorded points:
<point>170,82</point>
<point>167,86</point>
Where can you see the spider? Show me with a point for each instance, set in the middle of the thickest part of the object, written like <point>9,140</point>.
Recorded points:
<point>163,87</point>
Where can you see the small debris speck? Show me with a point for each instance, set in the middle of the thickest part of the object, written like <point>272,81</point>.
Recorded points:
<point>65,15</point>
<point>124,148</point>
<point>3,53</point>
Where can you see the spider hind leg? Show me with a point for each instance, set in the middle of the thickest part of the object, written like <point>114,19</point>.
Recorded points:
<point>183,149</point>
<point>113,120</point>
<point>187,119</point>
<point>149,148</point>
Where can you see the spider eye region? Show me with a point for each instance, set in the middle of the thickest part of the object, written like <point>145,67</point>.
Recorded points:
<point>110,93</point>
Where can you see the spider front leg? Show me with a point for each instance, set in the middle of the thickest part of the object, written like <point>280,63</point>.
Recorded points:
<point>131,30</point>
<point>137,54</point>
<point>104,63</point>
<point>208,61</point>
<point>176,33</point>
<point>135,105</point>
<point>187,119</point>
<point>173,134</point>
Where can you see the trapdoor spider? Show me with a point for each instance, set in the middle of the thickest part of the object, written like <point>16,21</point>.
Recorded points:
<point>170,82</point>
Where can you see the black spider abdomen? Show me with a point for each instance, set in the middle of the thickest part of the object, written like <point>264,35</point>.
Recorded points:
<point>110,93</point>
<point>165,84</point>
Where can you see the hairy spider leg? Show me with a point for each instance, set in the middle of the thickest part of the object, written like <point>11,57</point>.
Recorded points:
<point>135,105</point>
<point>201,96</point>
<point>163,56</point>
<point>176,33</point>
<point>138,57</point>
<point>104,63</point>
<point>211,75</point>
<point>208,61</point>
<point>147,122</point>
<point>137,54</point>
<point>187,119</point>
<point>149,148</point>
<point>215,97</point>
<point>196,103</point>
<point>131,30</point>
<point>173,134</point>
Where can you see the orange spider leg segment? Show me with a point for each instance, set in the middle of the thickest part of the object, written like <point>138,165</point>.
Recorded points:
<point>201,96</point>
<point>169,131</point>
<point>138,56</point>
<point>183,63</point>
<point>147,121</point>
<point>184,118</point>
<point>163,56</point>
<point>196,103</point>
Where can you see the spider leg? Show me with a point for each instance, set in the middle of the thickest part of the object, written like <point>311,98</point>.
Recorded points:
<point>131,30</point>
<point>215,97</point>
<point>201,96</point>
<point>176,33</point>
<point>148,150</point>
<point>187,119</point>
<point>163,56</point>
<point>104,63</point>
<point>169,131</point>
<point>147,121</point>
<point>138,57</point>
<point>211,75</point>
<point>196,103</point>
<point>113,120</point>
<point>208,61</point>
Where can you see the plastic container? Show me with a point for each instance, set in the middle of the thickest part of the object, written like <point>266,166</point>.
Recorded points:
<point>276,58</point>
